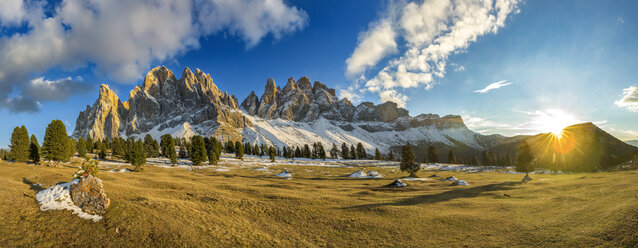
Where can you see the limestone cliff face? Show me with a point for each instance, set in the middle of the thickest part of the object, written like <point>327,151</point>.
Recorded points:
<point>103,119</point>
<point>163,103</point>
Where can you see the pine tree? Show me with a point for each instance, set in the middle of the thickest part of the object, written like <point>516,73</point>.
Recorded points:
<point>89,145</point>
<point>70,148</point>
<point>138,155</point>
<point>239,150</point>
<point>182,150</point>
<point>475,161</point>
<point>248,148</point>
<point>34,150</point>
<point>485,159</point>
<point>391,156</point>
<point>156,148</point>
<point>345,152</point>
<point>215,151</point>
<point>322,152</point>
<point>408,163</point>
<point>334,151</point>
<point>198,150</point>
<point>377,154</point>
<point>56,142</point>
<point>81,147</point>
<point>361,152</point>
<point>451,158</point>
<point>524,158</point>
<point>102,152</point>
<point>297,152</point>
<point>353,152</point>
<point>306,151</point>
<point>433,155</point>
<point>167,145</point>
<point>271,153</point>
<point>20,144</point>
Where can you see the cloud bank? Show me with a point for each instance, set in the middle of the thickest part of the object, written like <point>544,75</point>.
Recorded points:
<point>629,100</point>
<point>427,33</point>
<point>121,38</point>
<point>493,86</point>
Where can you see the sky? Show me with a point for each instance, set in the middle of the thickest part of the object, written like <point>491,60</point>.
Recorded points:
<point>506,66</point>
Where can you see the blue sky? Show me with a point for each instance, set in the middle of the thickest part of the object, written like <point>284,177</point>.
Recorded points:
<point>560,62</point>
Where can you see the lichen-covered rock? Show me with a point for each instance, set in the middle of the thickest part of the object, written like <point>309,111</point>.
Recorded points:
<point>88,194</point>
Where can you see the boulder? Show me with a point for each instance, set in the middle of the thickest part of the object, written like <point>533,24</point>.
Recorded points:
<point>452,178</point>
<point>527,178</point>
<point>435,175</point>
<point>88,194</point>
<point>397,183</point>
<point>460,183</point>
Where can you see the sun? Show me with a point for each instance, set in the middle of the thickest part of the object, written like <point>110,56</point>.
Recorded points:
<point>553,121</point>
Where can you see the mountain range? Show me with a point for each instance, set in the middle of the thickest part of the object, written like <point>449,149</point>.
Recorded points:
<point>300,113</point>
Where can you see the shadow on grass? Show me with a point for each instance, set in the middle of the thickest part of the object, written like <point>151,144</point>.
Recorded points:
<point>32,185</point>
<point>445,196</point>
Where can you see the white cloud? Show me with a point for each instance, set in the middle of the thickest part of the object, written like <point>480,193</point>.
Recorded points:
<point>431,31</point>
<point>374,45</point>
<point>493,86</point>
<point>457,67</point>
<point>12,12</point>
<point>123,38</point>
<point>629,99</point>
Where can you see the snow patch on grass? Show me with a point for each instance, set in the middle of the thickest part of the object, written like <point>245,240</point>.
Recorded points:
<point>58,197</point>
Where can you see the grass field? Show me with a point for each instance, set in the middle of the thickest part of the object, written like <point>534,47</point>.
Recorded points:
<point>174,207</point>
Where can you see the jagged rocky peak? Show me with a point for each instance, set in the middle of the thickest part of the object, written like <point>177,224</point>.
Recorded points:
<point>162,102</point>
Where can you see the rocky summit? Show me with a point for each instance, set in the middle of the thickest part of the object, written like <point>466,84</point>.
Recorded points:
<point>300,113</point>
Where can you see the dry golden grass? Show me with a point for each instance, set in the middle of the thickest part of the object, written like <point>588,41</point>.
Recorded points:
<point>245,207</point>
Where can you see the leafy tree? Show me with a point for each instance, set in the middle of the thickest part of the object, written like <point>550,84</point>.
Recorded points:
<point>81,147</point>
<point>56,142</point>
<point>198,150</point>
<point>34,150</point>
<point>334,151</point>
<point>239,150</point>
<point>451,158</point>
<point>524,158</point>
<point>138,155</point>
<point>345,151</point>
<point>271,153</point>
<point>433,155</point>
<point>377,154</point>
<point>408,163</point>
<point>20,144</point>
<point>361,152</point>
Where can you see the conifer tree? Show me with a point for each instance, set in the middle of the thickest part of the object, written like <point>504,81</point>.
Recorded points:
<point>102,152</point>
<point>361,152</point>
<point>56,142</point>
<point>70,148</point>
<point>248,148</point>
<point>198,150</point>
<point>433,155</point>
<point>271,153</point>
<point>34,150</point>
<point>451,158</point>
<point>138,156</point>
<point>524,158</point>
<point>345,151</point>
<point>20,144</point>
<point>81,147</point>
<point>297,152</point>
<point>89,145</point>
<point>156,148</point>
<point>391,156</point>
<point>475,161</point>
<point>182,150</point>
<point>215,151</point>
<point>321,152</point>
<point>306,151</point>
<point>239,150</point>
<point>408,163</point>
<point>168,148</point>
<point>334,152</point>
<point>377,154</point>
<point>353,152</point>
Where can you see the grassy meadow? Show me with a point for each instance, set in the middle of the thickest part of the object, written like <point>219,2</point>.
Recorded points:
<point>174,207</point>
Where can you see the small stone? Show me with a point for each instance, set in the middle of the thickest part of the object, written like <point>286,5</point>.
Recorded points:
<point>527,178</point>
<point>397,183</point>
<point>88,194</point>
